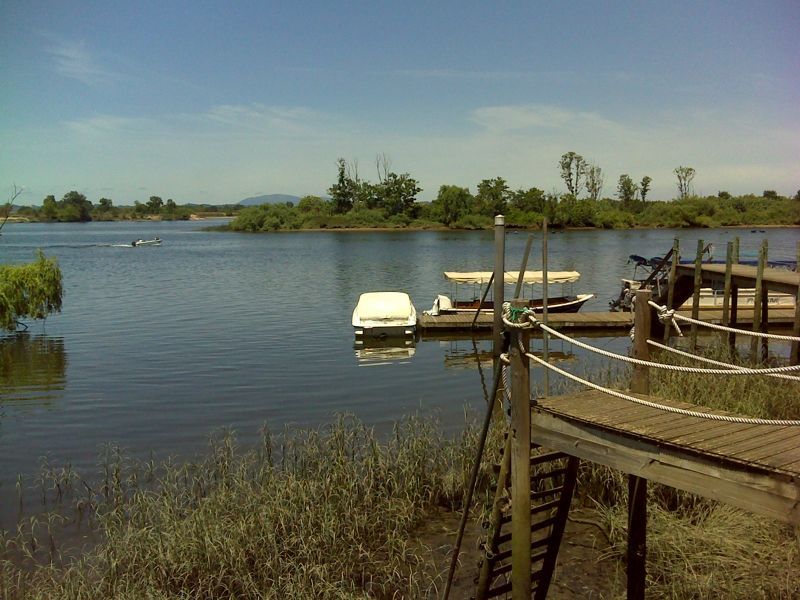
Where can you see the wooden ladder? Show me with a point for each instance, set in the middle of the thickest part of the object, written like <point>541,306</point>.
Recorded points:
<point>553,479</point>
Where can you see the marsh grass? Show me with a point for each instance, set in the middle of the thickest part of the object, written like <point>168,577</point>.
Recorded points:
<point>697,547</point>
<point>326,513</point>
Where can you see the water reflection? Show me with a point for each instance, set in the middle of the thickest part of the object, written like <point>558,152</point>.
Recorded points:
<point>32,367</point>
<point>374,352</point>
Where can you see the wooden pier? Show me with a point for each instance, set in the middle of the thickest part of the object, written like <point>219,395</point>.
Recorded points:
<point>596,322</point>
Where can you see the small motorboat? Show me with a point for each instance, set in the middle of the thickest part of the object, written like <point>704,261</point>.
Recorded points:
<point>153,242</point>
<point>569,303</point>
<point>384,314</point>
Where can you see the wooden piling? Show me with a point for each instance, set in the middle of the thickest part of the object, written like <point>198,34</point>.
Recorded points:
<point>757,299</point>
<point>726,298</point>
<point>698,278</point>
<point>642,322</point>
<point>545,319</point>
<point>499,282</point>
<point>795,349</point>
<point>520,466</point>
<point>671,284</point>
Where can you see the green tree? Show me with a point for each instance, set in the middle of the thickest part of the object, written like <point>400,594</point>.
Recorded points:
<point>723,195</point>
<point>531,200</point>
<point>685,176</point>
<point>32,290</point>
<point>594,181</point>
<point>75,207</point>
<point>154,205</point>
<point>50,208</point>
<point>769,194</point>
<point>797,196</point>
<point>343,191</point>
<point>105,205</point>
<point>397,194</point>
<point>644,187</point>
<point>313,205</point>
<point>454,202</point>
<point>626,190</point>
<point>573,171</point>
<point>492,197</point>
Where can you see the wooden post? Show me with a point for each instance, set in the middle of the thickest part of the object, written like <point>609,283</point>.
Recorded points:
<point>545,295</point>
<point>762,259</point>
<point>520,467</point>
<point>499,282</point>
<point>726,299</point>
<point>736,250</point>
<point>698,278</point>
<point>640,381</point>
<point>734,317</point>
<point>637,537</point>
<point>673,269</point>
<point>637,486</point>
<point>794,355</point>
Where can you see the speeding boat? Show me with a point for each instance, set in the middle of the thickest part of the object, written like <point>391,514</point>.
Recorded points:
<point>384,314</point>
<point>153,242</point>
<point>569,303</point>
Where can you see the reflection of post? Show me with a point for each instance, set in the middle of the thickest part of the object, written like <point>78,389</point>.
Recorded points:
<point>520,465</point>
<point>499,281</point>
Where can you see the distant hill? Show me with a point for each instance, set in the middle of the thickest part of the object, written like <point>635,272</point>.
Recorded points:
<point>269,199</point>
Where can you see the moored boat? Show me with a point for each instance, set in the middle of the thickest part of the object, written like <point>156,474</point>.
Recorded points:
<point>384,314</point>
<point>565,303</point>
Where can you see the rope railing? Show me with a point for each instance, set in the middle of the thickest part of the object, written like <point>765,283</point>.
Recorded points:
<point>670,314</point>
<point>711,361</point>
<point>637,361</point>
<point>672,409</point>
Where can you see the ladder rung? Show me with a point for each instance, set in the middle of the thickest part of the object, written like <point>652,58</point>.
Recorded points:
<point>547,457</point>
<point>548,474</point>
<point>546,506</point>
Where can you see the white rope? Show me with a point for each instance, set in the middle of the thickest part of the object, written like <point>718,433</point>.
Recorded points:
<point>714,362</point>
<point>672,409</point>
<point>665,313</point>
<point>656,365</point>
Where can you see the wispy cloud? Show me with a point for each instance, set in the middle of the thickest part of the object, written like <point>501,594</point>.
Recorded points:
<point>500,119</point>
<point>73,60</point>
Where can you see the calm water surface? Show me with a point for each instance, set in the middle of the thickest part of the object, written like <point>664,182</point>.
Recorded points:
<point>157,347</point>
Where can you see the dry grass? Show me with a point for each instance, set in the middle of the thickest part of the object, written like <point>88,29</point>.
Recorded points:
<point>330,515</point>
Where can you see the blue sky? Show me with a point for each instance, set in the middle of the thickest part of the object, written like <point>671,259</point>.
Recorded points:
<point>213,102</point>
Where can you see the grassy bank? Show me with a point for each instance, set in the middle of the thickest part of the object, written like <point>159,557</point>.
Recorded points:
<point>337,513</point>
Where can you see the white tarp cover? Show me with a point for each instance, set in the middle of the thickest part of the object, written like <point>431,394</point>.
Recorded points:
<point>384,306</point>
<point>512,276</point>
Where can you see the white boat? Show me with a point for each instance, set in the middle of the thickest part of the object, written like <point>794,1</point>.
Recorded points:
<point>384,314</point>
<point>153,242</point>
<point>555,304</point>
<point>710,299</point>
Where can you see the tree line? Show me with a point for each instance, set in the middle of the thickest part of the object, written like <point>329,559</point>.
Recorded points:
<point>392,202</point>
<point>75,207</point>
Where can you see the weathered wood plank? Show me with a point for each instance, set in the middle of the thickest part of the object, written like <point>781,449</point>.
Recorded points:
<point>727,481</point>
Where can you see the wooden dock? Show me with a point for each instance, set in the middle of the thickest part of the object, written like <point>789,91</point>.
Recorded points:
<point>744,276</point>
<point>590,321</point>
<point>754,467</point>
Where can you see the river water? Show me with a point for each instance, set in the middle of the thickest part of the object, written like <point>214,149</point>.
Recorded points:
<point>158,347</point>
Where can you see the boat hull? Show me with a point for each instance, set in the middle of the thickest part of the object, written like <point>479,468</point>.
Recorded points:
<point>561,304</point>
<point>384,314</point>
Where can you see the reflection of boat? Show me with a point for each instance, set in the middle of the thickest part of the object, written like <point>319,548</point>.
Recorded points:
<point>377,351</point>
<point>153,242</point>
<point>469,360</point>
<point>653,274</point>
<point>558,304</point>
<point>384,314</point>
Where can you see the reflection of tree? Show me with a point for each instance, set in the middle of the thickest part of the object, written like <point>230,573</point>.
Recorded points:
<point>30,364</point>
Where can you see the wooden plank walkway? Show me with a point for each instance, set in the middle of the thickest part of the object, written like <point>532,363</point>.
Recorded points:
<point>754,467</point>
<point>779,280</point>
<point>587,320</point>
